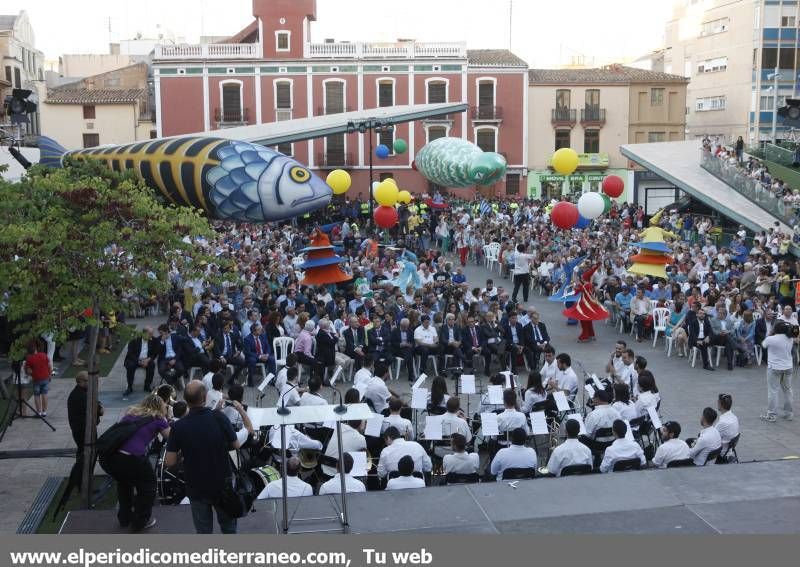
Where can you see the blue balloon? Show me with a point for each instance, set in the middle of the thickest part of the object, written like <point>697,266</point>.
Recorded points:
<point>582,223</point>
<point>382,151</point>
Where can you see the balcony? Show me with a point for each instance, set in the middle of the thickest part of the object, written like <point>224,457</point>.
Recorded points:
<point>228,118</point>
<point>563,117</point>
<point>400,50</point>
<point>593,116</point>
<point>332,160</point>
<point>208,51</point>
<point>487,113</point>
<point>322,111</point>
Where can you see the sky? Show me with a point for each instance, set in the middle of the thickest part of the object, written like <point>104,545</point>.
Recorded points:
<point>546,33</point>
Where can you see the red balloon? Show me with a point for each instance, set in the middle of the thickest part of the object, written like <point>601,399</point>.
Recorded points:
<point>385,217</point>
<point>613,186</point>
<point>564,215</point>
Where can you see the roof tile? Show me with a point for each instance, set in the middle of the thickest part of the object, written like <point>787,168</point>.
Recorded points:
<point>494,58</point>
<point>610,74</point>
<point>94,96</point>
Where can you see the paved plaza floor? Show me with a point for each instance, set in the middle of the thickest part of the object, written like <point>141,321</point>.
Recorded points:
<point>684,393</point>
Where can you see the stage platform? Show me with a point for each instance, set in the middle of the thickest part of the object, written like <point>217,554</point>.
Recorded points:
<point>757,498</point>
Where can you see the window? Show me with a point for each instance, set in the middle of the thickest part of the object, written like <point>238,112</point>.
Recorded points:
<point>282,41</point>
<point>89,112</point>
<point>334,151</point>
<point>8,74</point>
<point>712,65</point>
<point>436,132</point>
<point>769,57</point>
<point>486,99</point>
<point>17,78</point>
<point>654,137</point>
<point>512,184</point>
<point>562,139</point>
<point>91,140</point>
<point>485,139</point>
<point>786,58</point>
<point>231,102</point>
<point>592,98</point>
<point>385,93</point>
<point>284,148</point>
<point>656,97</point>
<point>765,103</point>
<point>591,141</point>
<point>710,103</point>
<point>283,95</point>
<point>714,26</point>
<point>153,134</point>
<point>334,97</point>
<point>563,98</point>
<point>384,176</point>
<point>386,137</point>
<point>787,21</point>
<point>437,92</point>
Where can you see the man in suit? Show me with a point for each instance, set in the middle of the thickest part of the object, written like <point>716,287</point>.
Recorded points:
<point>379,339</point>
<point>450,339</point>
<point>536,336</point>
<point>228,349</point>
<point>192,350</point>
<point>493,342</point>
<point>290,301</point>
<point>170,365</point>
<point>516,345</point>
<point>471,343</point>
<point>355,340</point>
<point>257,351</point>
<point>402,342</point>
<point>142,353</point>
<point>700,335</point>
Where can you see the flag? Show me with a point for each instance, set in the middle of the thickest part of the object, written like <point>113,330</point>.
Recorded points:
<point>485,208</point>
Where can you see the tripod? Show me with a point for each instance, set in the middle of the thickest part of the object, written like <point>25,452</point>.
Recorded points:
<point>19,413</point>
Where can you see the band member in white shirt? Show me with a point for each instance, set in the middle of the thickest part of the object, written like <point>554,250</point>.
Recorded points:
<point>602,416</point>
<point>405,478</point>
<point>550,366</point>
<point>516,456</point>
<point>616,363</point>
<point>570,452</point>
<point>353,441</point>
<point>394,419</point>
<point>621,449</point>
<point>511,419</point>
<point>294,485</point>
<point>459,461</point>
<point>453,421</point>
<point>396,448</point>
<point>672,448</point>
<point>312,397</point>
<point>334,485</point>
<point>727,423</point>
<point>565,380</point>
<point>709,439</point>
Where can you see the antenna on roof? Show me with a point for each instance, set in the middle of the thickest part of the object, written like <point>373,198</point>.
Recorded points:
<point>510,25</point>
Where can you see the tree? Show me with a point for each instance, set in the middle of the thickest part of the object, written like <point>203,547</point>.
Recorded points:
<point>73,240</point>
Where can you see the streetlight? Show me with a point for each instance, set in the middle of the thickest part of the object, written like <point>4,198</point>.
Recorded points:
<point>775,77</point>
<point>367,126</point>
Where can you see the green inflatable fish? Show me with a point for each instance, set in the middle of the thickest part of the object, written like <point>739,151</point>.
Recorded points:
<point>455,162</point>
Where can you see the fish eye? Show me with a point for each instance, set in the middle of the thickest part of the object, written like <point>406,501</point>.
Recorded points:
<point>300,174</point>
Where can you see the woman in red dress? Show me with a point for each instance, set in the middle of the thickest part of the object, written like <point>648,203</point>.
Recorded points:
<point>587,309</point>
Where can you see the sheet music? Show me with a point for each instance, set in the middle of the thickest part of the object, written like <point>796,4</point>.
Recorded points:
<point>654,417</point>
<point>507,375</point>
<point>589,390</point>
<point>419,399</point>
<point>539,423</point>
<point>329,424</point>
<point>360,467</point>
<point>335,376</point>
<point>467,385</point>
<point>489,425</point>
<point>419,382</point>
<point>579,418</point>
<point>374,425</point>
<point>495,395</point>
<point>597,383</point>
<point>629,433</point>
<point>265,383</point>
<point>433,427</point>
<point>561,401</point>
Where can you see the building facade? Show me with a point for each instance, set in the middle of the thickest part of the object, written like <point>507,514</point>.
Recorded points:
<point>594,112</point>
<point>22,64</point>
<point>272,71</point>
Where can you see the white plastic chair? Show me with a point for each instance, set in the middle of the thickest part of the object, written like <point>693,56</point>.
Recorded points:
<point>281,347</point>
<point>398,363</point>
<point>492,255</point>
<point>660,319</point>
<point>720,350</point>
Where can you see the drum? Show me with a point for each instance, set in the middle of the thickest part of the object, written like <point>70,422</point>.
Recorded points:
<point>262,476</point>
<point>170,484</point>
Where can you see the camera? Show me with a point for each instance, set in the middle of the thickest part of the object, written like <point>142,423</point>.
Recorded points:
<point>784,328</point>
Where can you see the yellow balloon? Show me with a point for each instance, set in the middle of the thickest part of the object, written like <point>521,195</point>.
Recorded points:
<point>386,193</point>
<point>391,180</point>
<point>565,161</point>
<point>404,196</point>
<point>339,180</point>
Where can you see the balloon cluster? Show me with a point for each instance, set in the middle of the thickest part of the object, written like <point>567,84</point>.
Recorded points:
<point>400,147</point>
<point>388,195</point>
<point>591,205</point>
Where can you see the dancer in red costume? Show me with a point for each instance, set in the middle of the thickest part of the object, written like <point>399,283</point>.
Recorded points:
<point>587,309</point>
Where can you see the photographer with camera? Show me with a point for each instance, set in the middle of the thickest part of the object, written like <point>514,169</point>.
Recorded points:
<point>779,371</point>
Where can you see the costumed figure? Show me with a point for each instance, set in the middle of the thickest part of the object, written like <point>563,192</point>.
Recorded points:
<point>653,257</point>
<point>408,275</point>
<point>566,290</point>
<point>587,309</point>
<point>322,264</point>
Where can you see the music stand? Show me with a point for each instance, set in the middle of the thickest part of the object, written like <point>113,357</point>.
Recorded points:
<point>19,410</point>
<point>310,414</point>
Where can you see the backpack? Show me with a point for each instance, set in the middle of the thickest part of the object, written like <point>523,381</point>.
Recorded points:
<point>115,436</point>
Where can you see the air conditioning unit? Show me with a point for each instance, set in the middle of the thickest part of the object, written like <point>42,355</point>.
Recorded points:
<point>282,114</point>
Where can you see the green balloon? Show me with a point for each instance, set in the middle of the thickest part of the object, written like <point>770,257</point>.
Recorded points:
<point>400,146</point>
<point>607,201</point>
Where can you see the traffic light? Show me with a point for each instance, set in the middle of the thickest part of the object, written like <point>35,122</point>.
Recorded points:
<point>18,105</point>
<point>791,112</point>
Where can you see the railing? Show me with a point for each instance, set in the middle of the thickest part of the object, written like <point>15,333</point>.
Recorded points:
<point>560,116</point>
<point>771,152</point>
<point>334,159</point>
<point>486,112</point>
<point>737,179</point>
<point>209,51</point>
<point>282,114</point>
<point>322,111</point>
<point>401,50</point>
<point>231,117</point>
<point>593,115</point>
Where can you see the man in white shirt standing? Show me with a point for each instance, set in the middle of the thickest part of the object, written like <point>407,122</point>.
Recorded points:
<point>709,439</point>
<point>516,456</point>
<point>459,461</point>
<point>334,485</point>
<point>727,423</point>
<point>672,448</point>
<point>405,478</point>
<point>522,273</point>
<point>294,485</point>
<point>570,452</point>
<point>621,449</point>
<point>396,448</point>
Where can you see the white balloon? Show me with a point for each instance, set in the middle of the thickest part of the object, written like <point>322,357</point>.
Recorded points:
<point>591,205</point>
<point>374,186</point>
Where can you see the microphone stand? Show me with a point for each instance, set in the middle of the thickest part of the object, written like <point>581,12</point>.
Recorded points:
<point>341,408</point>
<point>283,410</point>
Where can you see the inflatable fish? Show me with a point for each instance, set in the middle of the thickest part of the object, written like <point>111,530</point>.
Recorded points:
<point>228,179</point>
<point>454,162</point>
